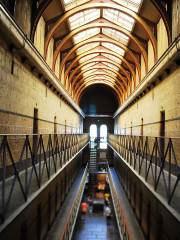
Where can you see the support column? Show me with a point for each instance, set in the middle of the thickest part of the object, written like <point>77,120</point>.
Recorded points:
<point>22,15</point>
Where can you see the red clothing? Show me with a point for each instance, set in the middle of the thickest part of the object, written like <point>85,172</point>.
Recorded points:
<point>84,207</point>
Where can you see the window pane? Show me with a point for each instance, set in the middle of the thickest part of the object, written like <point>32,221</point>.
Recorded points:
<point>111,66</point>
<point>114,48</point>
<point>83,17</point>
<point>88,57</point>
<point>85,35</point>
<point>111,57</point>
<point>69,4</point>
<point>116,35</point>
<point>86,47</point>
<point>134,5</point>
<point>88,66</point>
<point>119,18</point>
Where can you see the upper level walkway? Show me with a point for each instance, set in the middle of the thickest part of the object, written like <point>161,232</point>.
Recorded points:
<point>156,162</point>
<point>28,163</point>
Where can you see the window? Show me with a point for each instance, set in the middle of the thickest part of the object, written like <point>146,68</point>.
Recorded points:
<point>134,5</point>
<point>110,65</point>
<point>114,48</point>
<point>88,57</point>
<point>111,57</point>
<point>69,4</point>
<point>85,35</point>
<point>116,35</point>
<point>83,17</point>
<point>86,47</point>
<point>103,136</point>
<point>93,132</point>
<point>89,65</point>
<point>119,18</point>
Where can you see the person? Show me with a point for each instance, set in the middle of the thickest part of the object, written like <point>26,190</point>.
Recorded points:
<point>89,200</point>
<point>107,213</point>
<point>106,198</point>
<point>84,207</point>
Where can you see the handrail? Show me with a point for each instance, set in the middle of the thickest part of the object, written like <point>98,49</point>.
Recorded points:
<point>27,162</point>
<point>155,160</point>
<point>127,223</point>
<point>70,222</point>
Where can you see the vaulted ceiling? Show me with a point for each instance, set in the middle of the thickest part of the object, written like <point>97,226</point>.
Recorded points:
<point>101,41</point>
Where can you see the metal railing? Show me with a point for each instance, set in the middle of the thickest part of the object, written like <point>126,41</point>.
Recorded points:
<point>126,225</point>
<point>27,162</point>
<point>156,159</point>
<point>68,228</point>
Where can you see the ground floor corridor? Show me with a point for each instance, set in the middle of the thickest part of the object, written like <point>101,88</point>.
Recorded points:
<point>94,226</point>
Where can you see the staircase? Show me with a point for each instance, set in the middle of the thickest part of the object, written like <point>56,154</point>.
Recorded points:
<point>92,165</point>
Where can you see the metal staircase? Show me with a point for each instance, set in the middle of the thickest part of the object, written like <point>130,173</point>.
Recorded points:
<point>92,165</point>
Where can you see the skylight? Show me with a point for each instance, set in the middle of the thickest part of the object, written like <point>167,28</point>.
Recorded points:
<point>83,17</point>
<point>88,72</point>
<point>88,66</point>
<point>68,4</point>
<point>87,47</point>
<point>116,35</point>
<point>85,35</point>
<point>111,57</point>
<point>119,18</point>
<point>134,5</point>
<point>111,66</point>
<point>113,47</point>
<point>88,57</point>
<point>108,71</point>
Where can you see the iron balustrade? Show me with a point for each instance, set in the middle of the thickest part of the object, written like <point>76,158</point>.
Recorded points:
<point>123,225</point>
<point>27,162</point>
<point>156,159</point>
<point>72,216</point>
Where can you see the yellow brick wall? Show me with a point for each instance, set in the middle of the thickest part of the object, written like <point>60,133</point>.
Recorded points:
<point>49,57</point>
<point>21,92</point>
<point>162,39</point>
<point>165,96</point>
<point>150,55</point>
<point>143,70</point>
<point>39,36</point>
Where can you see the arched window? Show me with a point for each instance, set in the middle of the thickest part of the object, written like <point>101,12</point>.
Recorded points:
<point>103,133</point>
<point>93,132</point>
<point>103,136</point>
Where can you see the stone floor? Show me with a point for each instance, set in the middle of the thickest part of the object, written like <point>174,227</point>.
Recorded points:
<point>95,227</point>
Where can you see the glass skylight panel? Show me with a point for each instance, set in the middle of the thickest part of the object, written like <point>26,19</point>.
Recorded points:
<point>68,4</point>
<point>119,18</point>
<point>111,66</point>
<point>83,17</point>
<point>85,35</point>
<point>86,47</point>
<point>110,72</point>
<point>89,65</point>
<point>113,47</point>
<point>111,57</point>
<point>116,35</point>
<point>89,72</point>
<point>134,5</point>
<point>88,57</point>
